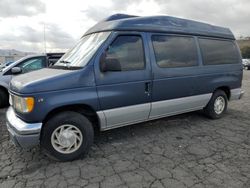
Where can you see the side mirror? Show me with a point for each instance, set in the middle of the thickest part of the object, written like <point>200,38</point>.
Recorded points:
<point>16,70</point>
<point>109,64</point>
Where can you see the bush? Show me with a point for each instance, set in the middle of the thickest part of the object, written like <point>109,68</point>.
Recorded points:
<point>245,51</point>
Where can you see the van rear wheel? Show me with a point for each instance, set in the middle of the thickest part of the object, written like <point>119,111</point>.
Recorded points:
<point>217,105</point>
<point>67,136</point>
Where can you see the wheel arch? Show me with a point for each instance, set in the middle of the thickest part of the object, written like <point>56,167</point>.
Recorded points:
<point>226,89</point>
<point>3,88</point>
<point>5,101</point>
<point>83,109</point>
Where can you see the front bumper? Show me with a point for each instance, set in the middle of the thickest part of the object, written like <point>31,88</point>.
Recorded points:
<point>25,135</point>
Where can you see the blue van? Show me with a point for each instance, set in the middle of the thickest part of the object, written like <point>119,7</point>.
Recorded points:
<point>124,70</point>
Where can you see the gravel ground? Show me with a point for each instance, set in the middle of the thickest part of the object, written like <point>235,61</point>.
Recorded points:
<point>187,150</point>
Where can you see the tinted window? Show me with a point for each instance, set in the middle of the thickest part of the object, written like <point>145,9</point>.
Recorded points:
<point>128,52</point>
<point>32,64</point>
<point>172,51</point>
<point>217,52</point>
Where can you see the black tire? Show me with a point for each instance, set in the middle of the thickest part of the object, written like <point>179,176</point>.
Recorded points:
<point>209,110</point>
<point>4,98</point>
<point>63,118</point>
<point>248,68</point>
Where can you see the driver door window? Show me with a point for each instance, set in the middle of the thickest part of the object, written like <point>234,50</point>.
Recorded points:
<point>127,51</point>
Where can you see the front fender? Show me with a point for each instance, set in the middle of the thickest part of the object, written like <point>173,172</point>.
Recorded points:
<point>45,102</point>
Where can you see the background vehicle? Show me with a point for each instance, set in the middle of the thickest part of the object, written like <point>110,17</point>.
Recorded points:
<point>24,65</point>
<point>246,63</point>
<point>125,70</point>
<point>2,66</point>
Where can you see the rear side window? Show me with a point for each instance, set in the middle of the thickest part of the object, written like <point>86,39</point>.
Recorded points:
<point>217,52</point>
<point>128,51</point>
<point>174,51</point>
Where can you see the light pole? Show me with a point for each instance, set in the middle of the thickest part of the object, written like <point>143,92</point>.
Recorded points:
<point>44,37</point>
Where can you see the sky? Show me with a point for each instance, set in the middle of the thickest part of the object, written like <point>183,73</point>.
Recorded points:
<point>24,22</point>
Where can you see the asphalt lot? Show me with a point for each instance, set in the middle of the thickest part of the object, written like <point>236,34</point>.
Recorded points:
<point>187,150</point>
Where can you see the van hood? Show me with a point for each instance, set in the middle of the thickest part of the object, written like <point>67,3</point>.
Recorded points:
<point>50,79</point>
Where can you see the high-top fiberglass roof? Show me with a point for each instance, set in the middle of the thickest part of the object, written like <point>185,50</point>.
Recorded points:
<point>166,24</point>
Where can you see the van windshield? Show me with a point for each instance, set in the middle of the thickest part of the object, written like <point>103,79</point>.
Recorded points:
<point>80,55</point>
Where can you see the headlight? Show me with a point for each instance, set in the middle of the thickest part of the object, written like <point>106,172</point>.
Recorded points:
<point>22,104</point>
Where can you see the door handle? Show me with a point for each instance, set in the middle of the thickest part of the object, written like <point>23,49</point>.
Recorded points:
<point>147,88</point>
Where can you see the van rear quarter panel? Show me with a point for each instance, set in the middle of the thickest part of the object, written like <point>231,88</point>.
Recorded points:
<point>183,82</point>
<point>212,77</point>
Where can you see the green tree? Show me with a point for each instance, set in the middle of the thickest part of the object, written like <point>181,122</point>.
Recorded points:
<point>245,51</point>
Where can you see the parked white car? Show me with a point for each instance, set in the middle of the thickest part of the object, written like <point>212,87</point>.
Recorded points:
<point>246,63</point>
<point>23,65</point>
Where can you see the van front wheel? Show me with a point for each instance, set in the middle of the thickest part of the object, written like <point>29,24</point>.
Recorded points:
<point>217,105</point>
<point>67,136</point>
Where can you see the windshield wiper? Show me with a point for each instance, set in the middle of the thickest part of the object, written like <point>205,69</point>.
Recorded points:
<point>65,62</point>
<point>65,66</point>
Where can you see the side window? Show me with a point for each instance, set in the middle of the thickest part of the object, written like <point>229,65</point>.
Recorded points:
<point>174,51</point>
<point>127,51</point>
<point>216,52</point>
<point>32,64</point>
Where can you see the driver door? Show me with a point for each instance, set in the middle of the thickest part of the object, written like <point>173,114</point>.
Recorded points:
<point>125,94</point>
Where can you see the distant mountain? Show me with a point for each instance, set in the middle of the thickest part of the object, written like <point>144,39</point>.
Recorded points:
<point>14,52</point>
